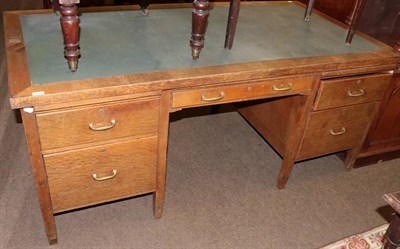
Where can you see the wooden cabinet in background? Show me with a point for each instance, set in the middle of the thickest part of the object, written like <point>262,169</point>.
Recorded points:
<point>383,139</point>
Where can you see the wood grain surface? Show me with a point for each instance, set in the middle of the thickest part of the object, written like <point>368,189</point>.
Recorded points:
<point>70,174</point>
<point>63,128</point>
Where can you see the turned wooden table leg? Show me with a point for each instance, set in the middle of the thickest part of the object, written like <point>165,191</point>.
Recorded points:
<point>393,234</point>
<point>199,25</point>
<point>309,9</point>
<point>70,28</point>
<point>396,46</point>
<point>144,4</point>
<point>234,8</point>
<point>353,19</point>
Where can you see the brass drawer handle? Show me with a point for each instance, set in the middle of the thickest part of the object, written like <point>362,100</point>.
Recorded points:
<point>286,88</point>
<point>102,128</point>
<point>105,177</point>
<point>337,133</point>
<point>207,99</point>
<point>357,94</point>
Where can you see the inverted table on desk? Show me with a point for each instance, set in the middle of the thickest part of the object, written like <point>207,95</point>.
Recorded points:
<point>134,71</point>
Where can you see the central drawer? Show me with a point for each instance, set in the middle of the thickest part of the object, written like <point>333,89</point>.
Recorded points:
<point>239,92</point>
<point>97,123</point>
<point>335,130</point>
<point>103,173</point>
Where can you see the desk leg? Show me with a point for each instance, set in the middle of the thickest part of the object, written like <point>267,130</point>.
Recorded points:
<point>309,9</point>
<point>39,172</point>
<point>159,195</point>
<point>353,19</point>
<point>294,139</point>
<point>297,129</point>
<point>351,156</point>
<point>393,234</point>
<point>70,28</point>
<point>199,25</point>
<point>234,8</point>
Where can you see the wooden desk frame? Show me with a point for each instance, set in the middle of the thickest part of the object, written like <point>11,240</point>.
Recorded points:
<point>163,86</point>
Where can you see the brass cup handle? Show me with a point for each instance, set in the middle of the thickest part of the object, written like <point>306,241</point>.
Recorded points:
<point>102,128</point>
<point>211,99</point>
<point>105,177</point>
<point>357,94</point>
<point>337,133</point>
<point>285,88</point>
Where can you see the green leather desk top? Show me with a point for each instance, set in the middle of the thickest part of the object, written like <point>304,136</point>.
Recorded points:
<point>126,42</point>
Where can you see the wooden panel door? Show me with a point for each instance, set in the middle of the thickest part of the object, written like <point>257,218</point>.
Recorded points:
<point>387,131</point>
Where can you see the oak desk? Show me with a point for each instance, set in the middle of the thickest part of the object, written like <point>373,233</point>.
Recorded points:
<point>101,133</point>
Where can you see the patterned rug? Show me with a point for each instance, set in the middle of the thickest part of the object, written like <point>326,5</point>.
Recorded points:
<point>372,239</point>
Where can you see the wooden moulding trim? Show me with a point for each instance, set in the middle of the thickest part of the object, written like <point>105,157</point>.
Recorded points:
<point>365,70</point>
<point>40,108</point>
<point>17,65</point>
<point>380,151</point>
<point>63,92</point>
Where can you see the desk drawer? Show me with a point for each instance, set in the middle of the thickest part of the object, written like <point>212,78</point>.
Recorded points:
<point>239,92</point>
<point>335,130</point>
<point>97,123</point>
<point>130,167</point>
<point>350,91</point>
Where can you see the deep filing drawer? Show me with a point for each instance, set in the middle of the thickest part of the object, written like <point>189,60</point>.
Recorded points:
<point>239,92</point>
<point>335,130</point>
<point>97,123</point>
<point>98,174</point>
<point>350,91</point>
